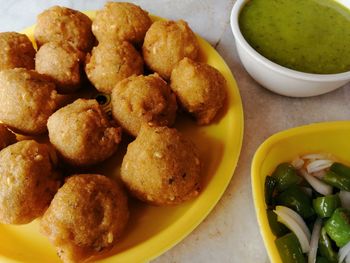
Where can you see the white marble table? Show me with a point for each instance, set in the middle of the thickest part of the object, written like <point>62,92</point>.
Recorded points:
<point>230,233</point>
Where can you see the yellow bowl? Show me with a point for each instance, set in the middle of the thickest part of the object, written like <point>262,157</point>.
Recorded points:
<point>152,230</point>
<point>326,137</point>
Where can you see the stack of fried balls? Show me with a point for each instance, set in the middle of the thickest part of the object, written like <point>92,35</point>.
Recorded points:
<point>150,69</point>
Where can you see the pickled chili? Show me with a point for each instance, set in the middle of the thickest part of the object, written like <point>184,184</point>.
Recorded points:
<point>289,249</point>
<point>286,176</point>
<point>324,206</point>
<point>295,198</point>
<point>338,226</point>
<point>325,247</point>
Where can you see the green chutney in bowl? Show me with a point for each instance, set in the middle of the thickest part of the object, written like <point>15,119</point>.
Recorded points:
<point>311,36</point>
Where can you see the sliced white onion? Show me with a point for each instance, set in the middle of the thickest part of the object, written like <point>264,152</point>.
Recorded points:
<point>318,165</point>
<point>297,163</point>
<point>319,174</point>
<point>344,252</point>
<point>296,224</point>
<point>344,199</point>
<point>314,156</point>
<point>296,217</point>
<point>317,184</point>
<point>314,241</point>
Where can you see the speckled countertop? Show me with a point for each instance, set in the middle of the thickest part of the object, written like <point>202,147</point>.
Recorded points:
<point>230,233</point>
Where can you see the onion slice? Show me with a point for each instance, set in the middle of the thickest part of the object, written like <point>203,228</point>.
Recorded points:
<point>296,224</point>
<point>345,199</point>
<point>319,174</point>
<point>297,163</point>
<point>318,165</point>
<point>344,252</point>
<point>317,184</point>
<point>314,241</point>
<point>314,156</point>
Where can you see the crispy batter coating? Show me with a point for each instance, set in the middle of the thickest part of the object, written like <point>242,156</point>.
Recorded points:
<point>28,181</point>
<point>16,51</point>
<point>200,89</point>
<point>82,133</point>
<point>87,215</point>
<point>121,21</point>
<point>143,99</point>
<point>6,137</point>
<point>111,62</point>
<point>161,167</point>
<point>166,43</point>
<point>63,24</point>
<point>62,63</point>
<point>27,99</point>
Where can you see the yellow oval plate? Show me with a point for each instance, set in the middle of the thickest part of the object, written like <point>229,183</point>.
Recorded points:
<point>153,230</point>
<point>326,137</point>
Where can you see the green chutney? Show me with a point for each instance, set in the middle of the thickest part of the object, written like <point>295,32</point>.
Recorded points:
<point>311,36</point>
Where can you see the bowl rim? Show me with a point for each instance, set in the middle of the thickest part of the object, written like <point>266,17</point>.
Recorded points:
<point>240,40</point>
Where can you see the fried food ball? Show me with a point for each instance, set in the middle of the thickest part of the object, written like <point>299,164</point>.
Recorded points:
<point>27,99</point>
<point>16,51</point>
<point>143,99</point>
<point>62,63</point>
<point>161,167</point>
<point>63,24</point>
<point>6,137</point>
<point>82,133</point>
<point>200,89</point>
<point>166,43</point>
<point>121,21</point>
<point>87,215</point>
<point>111,62</point>
<point>28,181</point>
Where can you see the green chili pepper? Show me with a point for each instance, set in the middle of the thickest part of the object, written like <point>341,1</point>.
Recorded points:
<point>296,199</point>
<point>324,206</point>
<point>286,176</point>
<point>340,169</point>
<point>338,226</point>
<point>289,249</point>
<point>339,181</point>
<point>277,228</point>
<point>325,247</point>
<point>270,185</point>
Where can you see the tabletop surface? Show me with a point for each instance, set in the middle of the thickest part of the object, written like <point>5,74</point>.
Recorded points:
<point>230,233</point>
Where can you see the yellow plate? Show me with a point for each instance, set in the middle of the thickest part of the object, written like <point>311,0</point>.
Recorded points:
<point>326,137</point>
<point>153,230</point>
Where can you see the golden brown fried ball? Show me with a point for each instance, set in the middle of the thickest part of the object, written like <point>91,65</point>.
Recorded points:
<point>62,63</point>
<point>87,215</point>
<point>200,89</point>
<point>28,181</point>
<point>63,24</point>
<point>161,167</point>
<point>82,133</point>
<point>166,43</point>
<point>16,51</point>
<point>121,21</point>
<point>143,99</point>
<point>111,62</point>
<point>6,137</point>
<point>27,99</point>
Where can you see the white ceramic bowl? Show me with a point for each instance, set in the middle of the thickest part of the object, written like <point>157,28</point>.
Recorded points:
<point>277,78</point>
